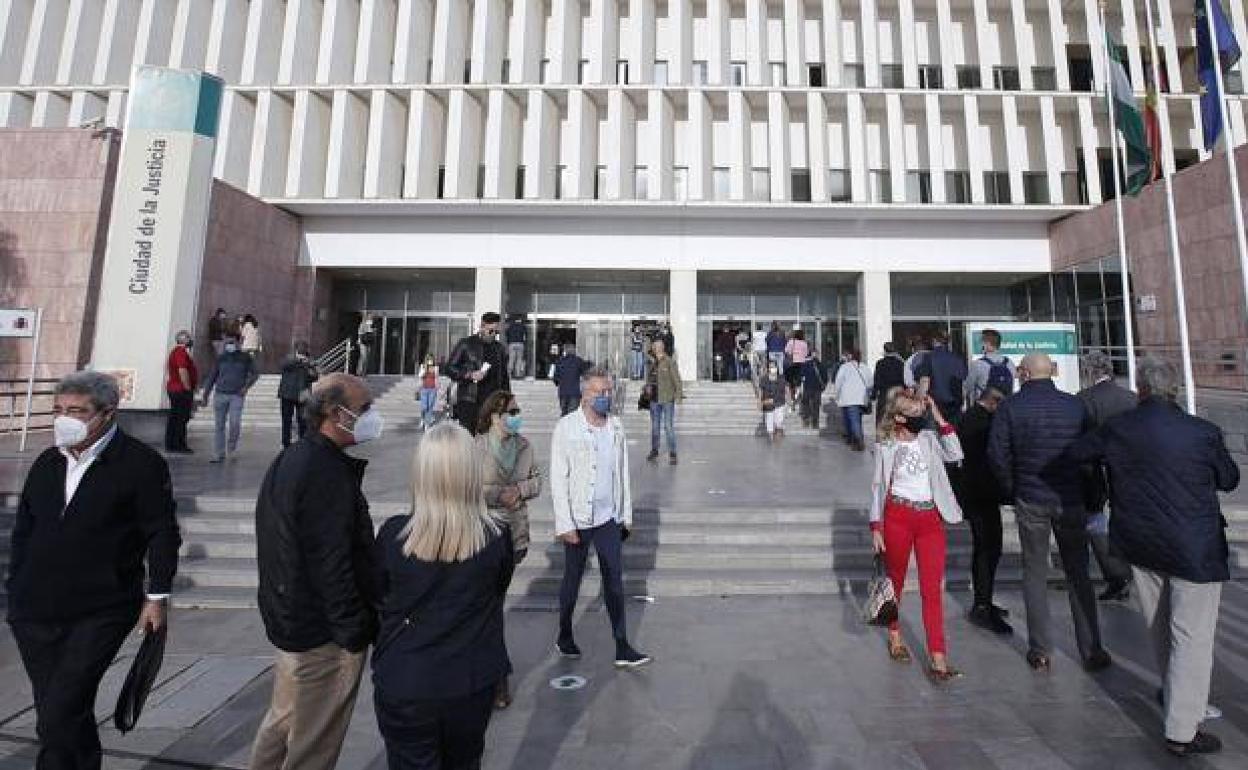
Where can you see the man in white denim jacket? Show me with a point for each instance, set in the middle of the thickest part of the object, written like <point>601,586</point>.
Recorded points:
<point>593,506</point>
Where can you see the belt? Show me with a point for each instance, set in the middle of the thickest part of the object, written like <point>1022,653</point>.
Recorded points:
<point>918,505</point>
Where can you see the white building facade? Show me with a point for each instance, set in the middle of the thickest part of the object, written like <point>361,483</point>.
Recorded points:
<point>864,168</point>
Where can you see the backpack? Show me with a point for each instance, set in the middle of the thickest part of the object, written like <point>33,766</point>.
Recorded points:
<point>999,375</point>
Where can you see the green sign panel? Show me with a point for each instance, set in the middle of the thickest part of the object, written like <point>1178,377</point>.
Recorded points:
<point>1054,342</point>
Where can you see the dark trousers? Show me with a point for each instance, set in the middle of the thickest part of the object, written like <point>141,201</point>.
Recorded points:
<point>607,544</point>
<point>441,734</point>
<point>568,404</point>
<point>180,407</point>
<point>812,404</point>
<point>1069,528</point>
<point>986,536</point>
<point>291,413</point>
<point>65,662</point>
<point>1114,568</point>
<point>466,414</point>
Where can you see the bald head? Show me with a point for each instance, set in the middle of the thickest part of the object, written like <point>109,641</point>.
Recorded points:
<point>1038,366</point>
<point>332,395</point>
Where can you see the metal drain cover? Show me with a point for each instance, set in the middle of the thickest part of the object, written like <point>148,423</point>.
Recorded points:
<point>568,682</point>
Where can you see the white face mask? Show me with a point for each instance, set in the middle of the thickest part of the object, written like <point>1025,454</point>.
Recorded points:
<point>368,426</point>
<point>70,432</point>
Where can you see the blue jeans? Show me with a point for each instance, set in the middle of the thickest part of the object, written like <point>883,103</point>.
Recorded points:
<point>853,421</point>
<point>639,364</point>
<point>227,407</point>
<point>428,400</point>
<point>663,416</point>
<point>607,544</point>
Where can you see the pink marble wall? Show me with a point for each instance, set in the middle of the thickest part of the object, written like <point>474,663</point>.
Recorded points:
<point>1213,284</point>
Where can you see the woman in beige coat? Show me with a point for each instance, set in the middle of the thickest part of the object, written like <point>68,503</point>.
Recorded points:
<point>510,476</point>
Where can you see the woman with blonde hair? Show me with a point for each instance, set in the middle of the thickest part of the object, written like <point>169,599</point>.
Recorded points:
<point>911,501</point>
<point>443,573</point>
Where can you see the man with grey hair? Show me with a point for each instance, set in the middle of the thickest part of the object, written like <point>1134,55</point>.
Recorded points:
<point>1166,468</point>
<point>589,486</point>
<point>232,376</point>
<point>181,381</point>
<point>96,515</point>
<point>1104,399</point>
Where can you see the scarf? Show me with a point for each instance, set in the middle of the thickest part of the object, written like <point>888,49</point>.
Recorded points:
<point>506,452</point>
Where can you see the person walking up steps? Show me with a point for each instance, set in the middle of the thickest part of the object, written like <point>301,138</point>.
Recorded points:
<point>852,392</point>
<point>771,395</point>
<point>667,391</point>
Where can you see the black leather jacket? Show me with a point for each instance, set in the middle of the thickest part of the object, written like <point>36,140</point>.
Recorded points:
<point>467,357</point>
<point>314,541</point>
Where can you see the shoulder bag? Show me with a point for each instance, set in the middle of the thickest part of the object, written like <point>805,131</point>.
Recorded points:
<point>880,608</point>
<point>866,408</point>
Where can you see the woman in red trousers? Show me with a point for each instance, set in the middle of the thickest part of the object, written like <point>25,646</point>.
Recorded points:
<point>911,502</point>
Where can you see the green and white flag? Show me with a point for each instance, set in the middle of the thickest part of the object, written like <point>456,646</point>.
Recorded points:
<point>1129,118</point>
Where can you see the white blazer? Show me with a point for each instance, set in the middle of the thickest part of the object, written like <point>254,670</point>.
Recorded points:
<point>938,449</point>
<point>572,473</point>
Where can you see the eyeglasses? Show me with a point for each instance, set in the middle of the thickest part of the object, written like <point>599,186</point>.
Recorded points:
<point>513,411</point>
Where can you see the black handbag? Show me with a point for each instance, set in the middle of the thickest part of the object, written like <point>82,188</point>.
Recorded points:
<point>139,681</point>
<point>880,608</point>
<point>644,400</point>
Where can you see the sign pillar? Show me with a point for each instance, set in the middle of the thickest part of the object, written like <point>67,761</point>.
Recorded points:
<point>155,247</point>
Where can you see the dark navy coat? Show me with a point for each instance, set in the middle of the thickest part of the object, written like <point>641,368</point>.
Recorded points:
<point>1030,432</point>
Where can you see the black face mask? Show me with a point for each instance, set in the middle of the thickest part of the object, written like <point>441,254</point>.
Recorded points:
<point>915,424</point>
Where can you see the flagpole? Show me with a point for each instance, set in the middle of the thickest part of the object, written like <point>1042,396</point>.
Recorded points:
<point>1236,204</point>
<point>1180,299</point>
<point>1124,265</point>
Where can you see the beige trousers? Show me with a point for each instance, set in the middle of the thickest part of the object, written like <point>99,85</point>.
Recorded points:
<point>313,697</point>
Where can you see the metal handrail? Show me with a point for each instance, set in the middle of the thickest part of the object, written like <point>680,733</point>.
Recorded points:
<point>337,358</point>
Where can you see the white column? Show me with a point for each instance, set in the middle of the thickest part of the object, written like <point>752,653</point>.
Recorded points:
<point>660,125</point>
<point>795,42</point>
<point>983,33</point>
<point>238,118</point>
<point>155,31</point>
<point>719,42</point>
<point>1059,36</point>
<point>336,61</point>
<point>383,175</point>
<point>116,108</point>
<point>450,41</point>
<point>875,309</point>
<point>1089,144</point>
<point>262,46</point>
<point>1023,44</point>
<point>779,159</point>
<point>412,41</point>
<point>817,145</point>
<point>79,44</point>
<point>909,56</point>
<point>681,68</point>
<point>271,145</point>
<point>541,145</point>
<point>935,147</point>
<point>1168,42</point>
<point>14,23</point>
<point>488,293</point>
<point>897,165</point>
<point>1015,147</point>
<point>1131,39</point>
<point>463,145</point>
<point>1053,160</point>
<point>502,145</point>
<point>582,163</point>
<point>870,44</point>
<point>374,44</point>
<point>683,316</point>
<point>740,165</point>
<point>622,137</point>
<point>51,110</point>
<point>527,39</point>
<point>43,44</point>
<point>565,55</point>
<point>16,109</point>
<point>641,47</point>
<point>309,146</point>
<point>489,35</point>
<point>855,130</point>
<point>85,107</point>
<point>1092,23</point>
<point>756,42</point>
<point>226,35</point>
<point>603,44</point>
<point>948,64</point>
<point>190,43</point>
<point>831,28</point>
<point>300,42</point>
<point>426,121</point>
<point>699,138</point>
<point>976,163</point>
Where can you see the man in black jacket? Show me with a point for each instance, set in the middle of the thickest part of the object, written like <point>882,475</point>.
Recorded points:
<point>1166,469</point>
<point>314,542</point>
<point>93,509</point>
<point>478,365</point>
<point>1031,431</point>
<point>979,494</point>
<point>298,374</point>
<point>889,373</point>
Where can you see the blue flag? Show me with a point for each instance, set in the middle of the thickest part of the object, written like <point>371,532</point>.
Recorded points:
<point>1228,54</point>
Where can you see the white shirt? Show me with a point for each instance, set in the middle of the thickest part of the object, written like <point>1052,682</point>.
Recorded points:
<point>604,474</point>
<point>760,341</point>
<point>911,475</point>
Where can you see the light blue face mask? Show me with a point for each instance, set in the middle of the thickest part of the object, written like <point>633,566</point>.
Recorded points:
<point>513,423</point>
<point>602,405</point>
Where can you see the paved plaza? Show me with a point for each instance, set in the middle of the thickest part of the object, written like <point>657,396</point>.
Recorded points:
<point>756,682</point>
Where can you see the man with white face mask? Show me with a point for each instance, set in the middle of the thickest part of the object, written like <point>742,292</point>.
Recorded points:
<point>232,376</point>
<point>314,542</point>
<point>93,510</point>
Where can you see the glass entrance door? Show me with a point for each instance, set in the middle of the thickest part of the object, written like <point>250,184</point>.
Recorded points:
<point>606,343</point>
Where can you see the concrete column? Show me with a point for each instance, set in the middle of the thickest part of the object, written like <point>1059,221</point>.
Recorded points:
<point>238,119</point>
<point>116,107</point>
<point>113,57</point>
<point>983,33</point>
<point>80,41</point>
<point>660,125</point>
<point>261,57</point>
<point>300,42</point>
<point>1015,147</point>
<point>582,162</point>
<point>1168,42</point>
<point>1088,144</point>
<point>226,32</point>
<point>426,118</point>
<point>719,42</point>
<point>870,43</point>
<point>271,145</point>
<point>43,43</point>
<point>855,130</point>
<point>1059,35</point>
<point>412,41</point>
<point>51,110</point>
<point>502,145</point>
<point>875,309</point>
<point>944,23</point>
<point>680,71</point>
<point>897,164</point>
<point>488,293</point>
<point>85,106</point>
<point>15,21</point>
<point>541,145</point>
<point>756,42</point>
<point>154,34</point>
<point>527,40</point>
<point>1092,23</point>
<point>309,146</point>
<point>683,315</point>
<point>565,51</point>
<point>603,44</point>
<point>935,147</point>
<point>621,135</point>
<point>740,164</point>
<point>833,61</point>
<point>975,160</point>
<point>489,35</point>
<point>374,44</point>
<point>641,46</point>
<point>1024,44</point>
<point>909,55</point>
<point>339,24</point>
<point>699,138</point>
<point>191,22</point>
<point>817,145</point>
<point>463,145</point>
<point>779,159</point>
<point>1131,37</point>
<point>16,110</point>
<point>795,42</point>
<point>450,41</point>
<point>383,178</point>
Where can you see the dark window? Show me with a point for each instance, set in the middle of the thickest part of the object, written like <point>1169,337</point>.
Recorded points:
<point>958,186</point>
<point>1044,78</point>
<point>1185,159</point>
<point>968,77</point>
<point>441,181</point>
<point>481,181</point>
<point>621,72</point>
<point>1005,78</point>
<point>582,71</point>
<point>736,71</point>
<point>814,75</point>
<point>505,77</point>
<point>800,185</point>
<point>997,187</point>
<point>918,187</point>
<point>1079,62</point>
<point>930,77</point>
<point>519,182</point>
<point>467,70</point>
<point>892,76</point>
<point>1035,188</point>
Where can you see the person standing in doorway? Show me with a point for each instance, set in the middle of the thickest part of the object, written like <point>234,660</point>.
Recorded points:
<point>517,339</point>
<point>314,550</point>
<point>232,376</point>
<point>180,384</point>
<point>366,337</point>
<point>94,518</point>
<point>478,365</point>
<point>428,392</point>
<point>889,374</point>
<point>567,377</point>
<point>852,392</point>
<point>298,374</point>
<point>667,390</point>
<point>637,347</point>
<point>590,489</point>
<point>218,327</point>
<point>667,338</point>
